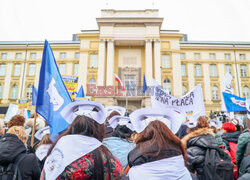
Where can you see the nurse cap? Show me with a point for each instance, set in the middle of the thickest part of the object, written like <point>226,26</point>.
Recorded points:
<point>120,120</point>
<point>42,132</point>
<point>141,118</point>
<point>119,109</point>
<point>91,109</point>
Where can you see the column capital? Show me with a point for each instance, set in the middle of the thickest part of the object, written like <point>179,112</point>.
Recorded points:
<point>148,40</point>
<point>110,40</point>
<point>156,40</point>
<point>102,40</point>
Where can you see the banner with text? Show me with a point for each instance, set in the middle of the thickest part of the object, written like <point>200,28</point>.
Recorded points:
<point>23,103</point>
<point>71,84</point>
<point>192,103</point>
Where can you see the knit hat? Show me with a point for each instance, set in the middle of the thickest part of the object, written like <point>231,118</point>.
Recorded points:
<point>229,127</point>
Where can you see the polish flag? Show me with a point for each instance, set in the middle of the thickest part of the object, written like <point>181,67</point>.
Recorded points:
<point>119,81</point>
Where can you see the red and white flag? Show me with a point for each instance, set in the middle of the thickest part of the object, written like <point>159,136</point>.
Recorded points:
<point>120,82</point>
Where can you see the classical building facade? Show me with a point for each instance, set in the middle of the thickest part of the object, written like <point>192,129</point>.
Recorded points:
<point>130,43</point>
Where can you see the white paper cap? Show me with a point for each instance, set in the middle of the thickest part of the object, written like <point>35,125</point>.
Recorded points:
<point>142,117</point>
<point>83,107</point>
<point>119,109</point>
<point>120,120</point>
<point>215,123</point>
<point>42,132</point>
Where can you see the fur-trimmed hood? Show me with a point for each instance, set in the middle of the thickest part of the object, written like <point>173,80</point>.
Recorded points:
<point>196,133</point>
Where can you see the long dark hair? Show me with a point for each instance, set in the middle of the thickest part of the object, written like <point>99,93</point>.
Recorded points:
<point>86,126</point>
<point>123,132</point>
<point>157,134</point>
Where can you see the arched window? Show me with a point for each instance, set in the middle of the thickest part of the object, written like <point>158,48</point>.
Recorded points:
<point>246,93</point>
<point>184,90</point>
<point>215,93</point>
<point>1,91</point>
<point>29,92</point>
<point>167,85</point>
<point>14,91</point>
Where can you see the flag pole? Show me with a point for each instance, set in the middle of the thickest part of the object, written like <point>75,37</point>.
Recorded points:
<point>33,131</point>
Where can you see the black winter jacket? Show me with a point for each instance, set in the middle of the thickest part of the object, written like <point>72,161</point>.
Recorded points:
<point>230,137</point>
<point>197,143</point>
<point>10,148</point>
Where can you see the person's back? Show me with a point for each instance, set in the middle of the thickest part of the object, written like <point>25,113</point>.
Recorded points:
<point>78,152</point>
<point>197,143</point>
<point>119,148</point>
<point>243,148</point>
<point>158,154</point>
<point>12,148</point>
<point>120,144</point>
<point>83,168</point>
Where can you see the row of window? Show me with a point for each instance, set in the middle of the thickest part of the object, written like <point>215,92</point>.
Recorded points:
<point>212,56</point>
<point>33,55</point>
<point>213,70</point>
<point>17,69</point>
<point>128,81</point>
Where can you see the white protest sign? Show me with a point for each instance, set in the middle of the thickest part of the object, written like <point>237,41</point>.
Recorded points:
<point>248,108</point>
<point>192,103</point>
<point>228,88</point>
<point>12,111</point>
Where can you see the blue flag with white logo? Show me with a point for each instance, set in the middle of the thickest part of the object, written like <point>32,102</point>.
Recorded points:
<point>234,103</point>
<point>52,94</point>
<point>80,92</point>
<point>34,95</point>
<point>144,89</point>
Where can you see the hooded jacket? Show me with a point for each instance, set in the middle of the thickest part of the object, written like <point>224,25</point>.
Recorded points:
<point>11,147</point>
<point>197,143</point>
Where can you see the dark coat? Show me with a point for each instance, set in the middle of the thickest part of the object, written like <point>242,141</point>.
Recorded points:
<point>230,137</point>
<point>11,147</point>
<point>245,168</point>
<point>243,141</point>
<point>197,143</point>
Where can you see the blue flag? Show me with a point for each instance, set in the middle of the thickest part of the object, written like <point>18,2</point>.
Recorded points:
<point>34,95</point>
<point>80,92</point>
<point>52,94</point>
<point>144,89</point>
<point>234,103</point>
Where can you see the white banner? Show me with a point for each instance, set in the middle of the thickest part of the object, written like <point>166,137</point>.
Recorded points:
<point>192,103</point>
<point>228,88</point>
<point>12,111</point>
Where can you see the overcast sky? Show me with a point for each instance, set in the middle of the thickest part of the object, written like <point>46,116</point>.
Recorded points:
<point>213,20</point>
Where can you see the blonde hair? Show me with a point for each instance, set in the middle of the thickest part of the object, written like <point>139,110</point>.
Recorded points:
<point>19,131</point>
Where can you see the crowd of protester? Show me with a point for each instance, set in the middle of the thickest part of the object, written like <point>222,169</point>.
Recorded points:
<point>149,144</point>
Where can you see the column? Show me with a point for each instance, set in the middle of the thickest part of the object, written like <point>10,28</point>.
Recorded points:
<point>190,70</point>
<point>101,63</point>
<point>22,84</point>
<point>157,60</point>
<point>37,75</point>
<point>148,54</point>
<point>221,75</point>
<point>177,79</point>
<point>83,70</point>
<point>6,87</point>
<point>237,79</point>
<point>206,73</point>
<point>110,63</point>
